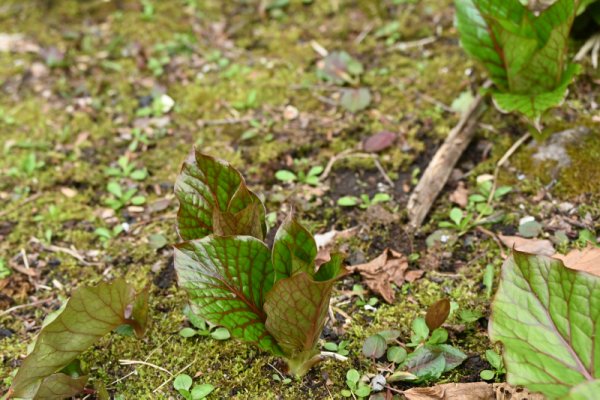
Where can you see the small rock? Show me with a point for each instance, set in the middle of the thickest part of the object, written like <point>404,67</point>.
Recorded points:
<point>290,112</point>
<point>565,207</point>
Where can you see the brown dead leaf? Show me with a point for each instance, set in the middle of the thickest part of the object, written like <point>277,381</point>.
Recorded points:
<point>539,247</point>
<point>452,391</point>
<point>460,196</point>
<point>587,260</point>
<point>471,391</point>
<point>437,314</point>
<point>68,192</point>
<point>504,391</point>
<point>379,273</point>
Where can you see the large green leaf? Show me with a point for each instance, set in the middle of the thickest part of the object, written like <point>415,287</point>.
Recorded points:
<point>548,318</point>
<point>60,386</point>
<point>227,279</point>
<point>524,54</point>
<point>91,313</point>
<point>294,249</point>
<point>588,390</point>
<point>211,190</point>
<point>297,307</point>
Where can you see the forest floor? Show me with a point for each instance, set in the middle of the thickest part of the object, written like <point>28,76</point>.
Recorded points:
<point>90,83</point>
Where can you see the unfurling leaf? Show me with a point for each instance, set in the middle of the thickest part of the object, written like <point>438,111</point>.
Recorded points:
<point>227,279</point>
<point>548,318</point>
<point>214,198</point>
<point>296,309</point>
<point>294,250</point>
<point>89,314</point>
<point>525,54</point>
<point>437,314</point>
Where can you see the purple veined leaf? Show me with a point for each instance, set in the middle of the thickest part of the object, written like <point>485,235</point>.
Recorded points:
<point>379,141</point>
<point>89,314</point>
<point>227,279</point>
<point>548,318</point>
<point>209,189</point>
<point>524,53</point>
<point>296,310</point>
<point>294,249</point>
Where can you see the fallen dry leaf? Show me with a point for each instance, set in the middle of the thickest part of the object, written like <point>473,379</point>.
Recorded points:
<point>587,260</point>
<point>471,391</point>
<point>17,43</point>
<point>437,313</point>
<point>452,391</point>
<point>504,391</point>
<point>541,247</point>
<point>379,141</point>
<point>327,238</point>
<point>68,192</point>
<point>460,196</point>
<point>389,267</point>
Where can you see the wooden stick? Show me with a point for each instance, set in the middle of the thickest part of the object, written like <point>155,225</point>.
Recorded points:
<point>439,169</point>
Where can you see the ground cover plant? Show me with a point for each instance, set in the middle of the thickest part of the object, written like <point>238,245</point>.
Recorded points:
<point>334,112</point>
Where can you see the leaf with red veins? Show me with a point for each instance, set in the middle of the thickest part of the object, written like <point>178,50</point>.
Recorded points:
<point>548,318</point>
<point>227,279</point>
<point>89,314</point>
<point>297,307</point>
<point>207,186</point>
<point>294,250</point>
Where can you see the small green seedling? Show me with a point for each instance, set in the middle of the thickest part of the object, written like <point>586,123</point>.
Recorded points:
<point>138,139</point>
<point>459,221</point>
<point>250,102</point>
<point>364,201</point>
<point>341,348</point>
<point>120,198</point>
<point>488,279</point>
<point>106,234</point>
<point>357,388</point>
<point>496,362</point>
<point>183,384</point>
<point>281,379</point>
<point>126,169</point>
<point>309,178</point>
<point>202,328</point>
<point>360,291</point>
<point>27,167</point>
<point>5,270</point>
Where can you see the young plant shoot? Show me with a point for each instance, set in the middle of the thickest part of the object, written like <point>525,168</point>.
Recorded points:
<point>276,298</point>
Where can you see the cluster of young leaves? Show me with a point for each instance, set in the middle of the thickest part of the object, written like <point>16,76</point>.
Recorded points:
<point>183,384</point>
<point>525,54</point>
<point>479,209</point>
<point>432,356</point>
<point>548,318</point>
<point>276,298</point>
<point>52,370</point>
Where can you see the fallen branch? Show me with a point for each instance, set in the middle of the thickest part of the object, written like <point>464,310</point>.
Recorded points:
<point>437,173</point>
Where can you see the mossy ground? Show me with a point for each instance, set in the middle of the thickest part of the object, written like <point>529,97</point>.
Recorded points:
<point>232,67</point>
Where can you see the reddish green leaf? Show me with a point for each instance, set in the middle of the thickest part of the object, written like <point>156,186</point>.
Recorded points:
<point>294,249</point>
<point>207,187</point>
<point>296,309</point>
<point>525,54</point>
<point>431,361</point>
<point>91,313</point>
<point>59,386</point>
<point>227,279</point>
<point>374,346</point>
<point>548,318</point>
